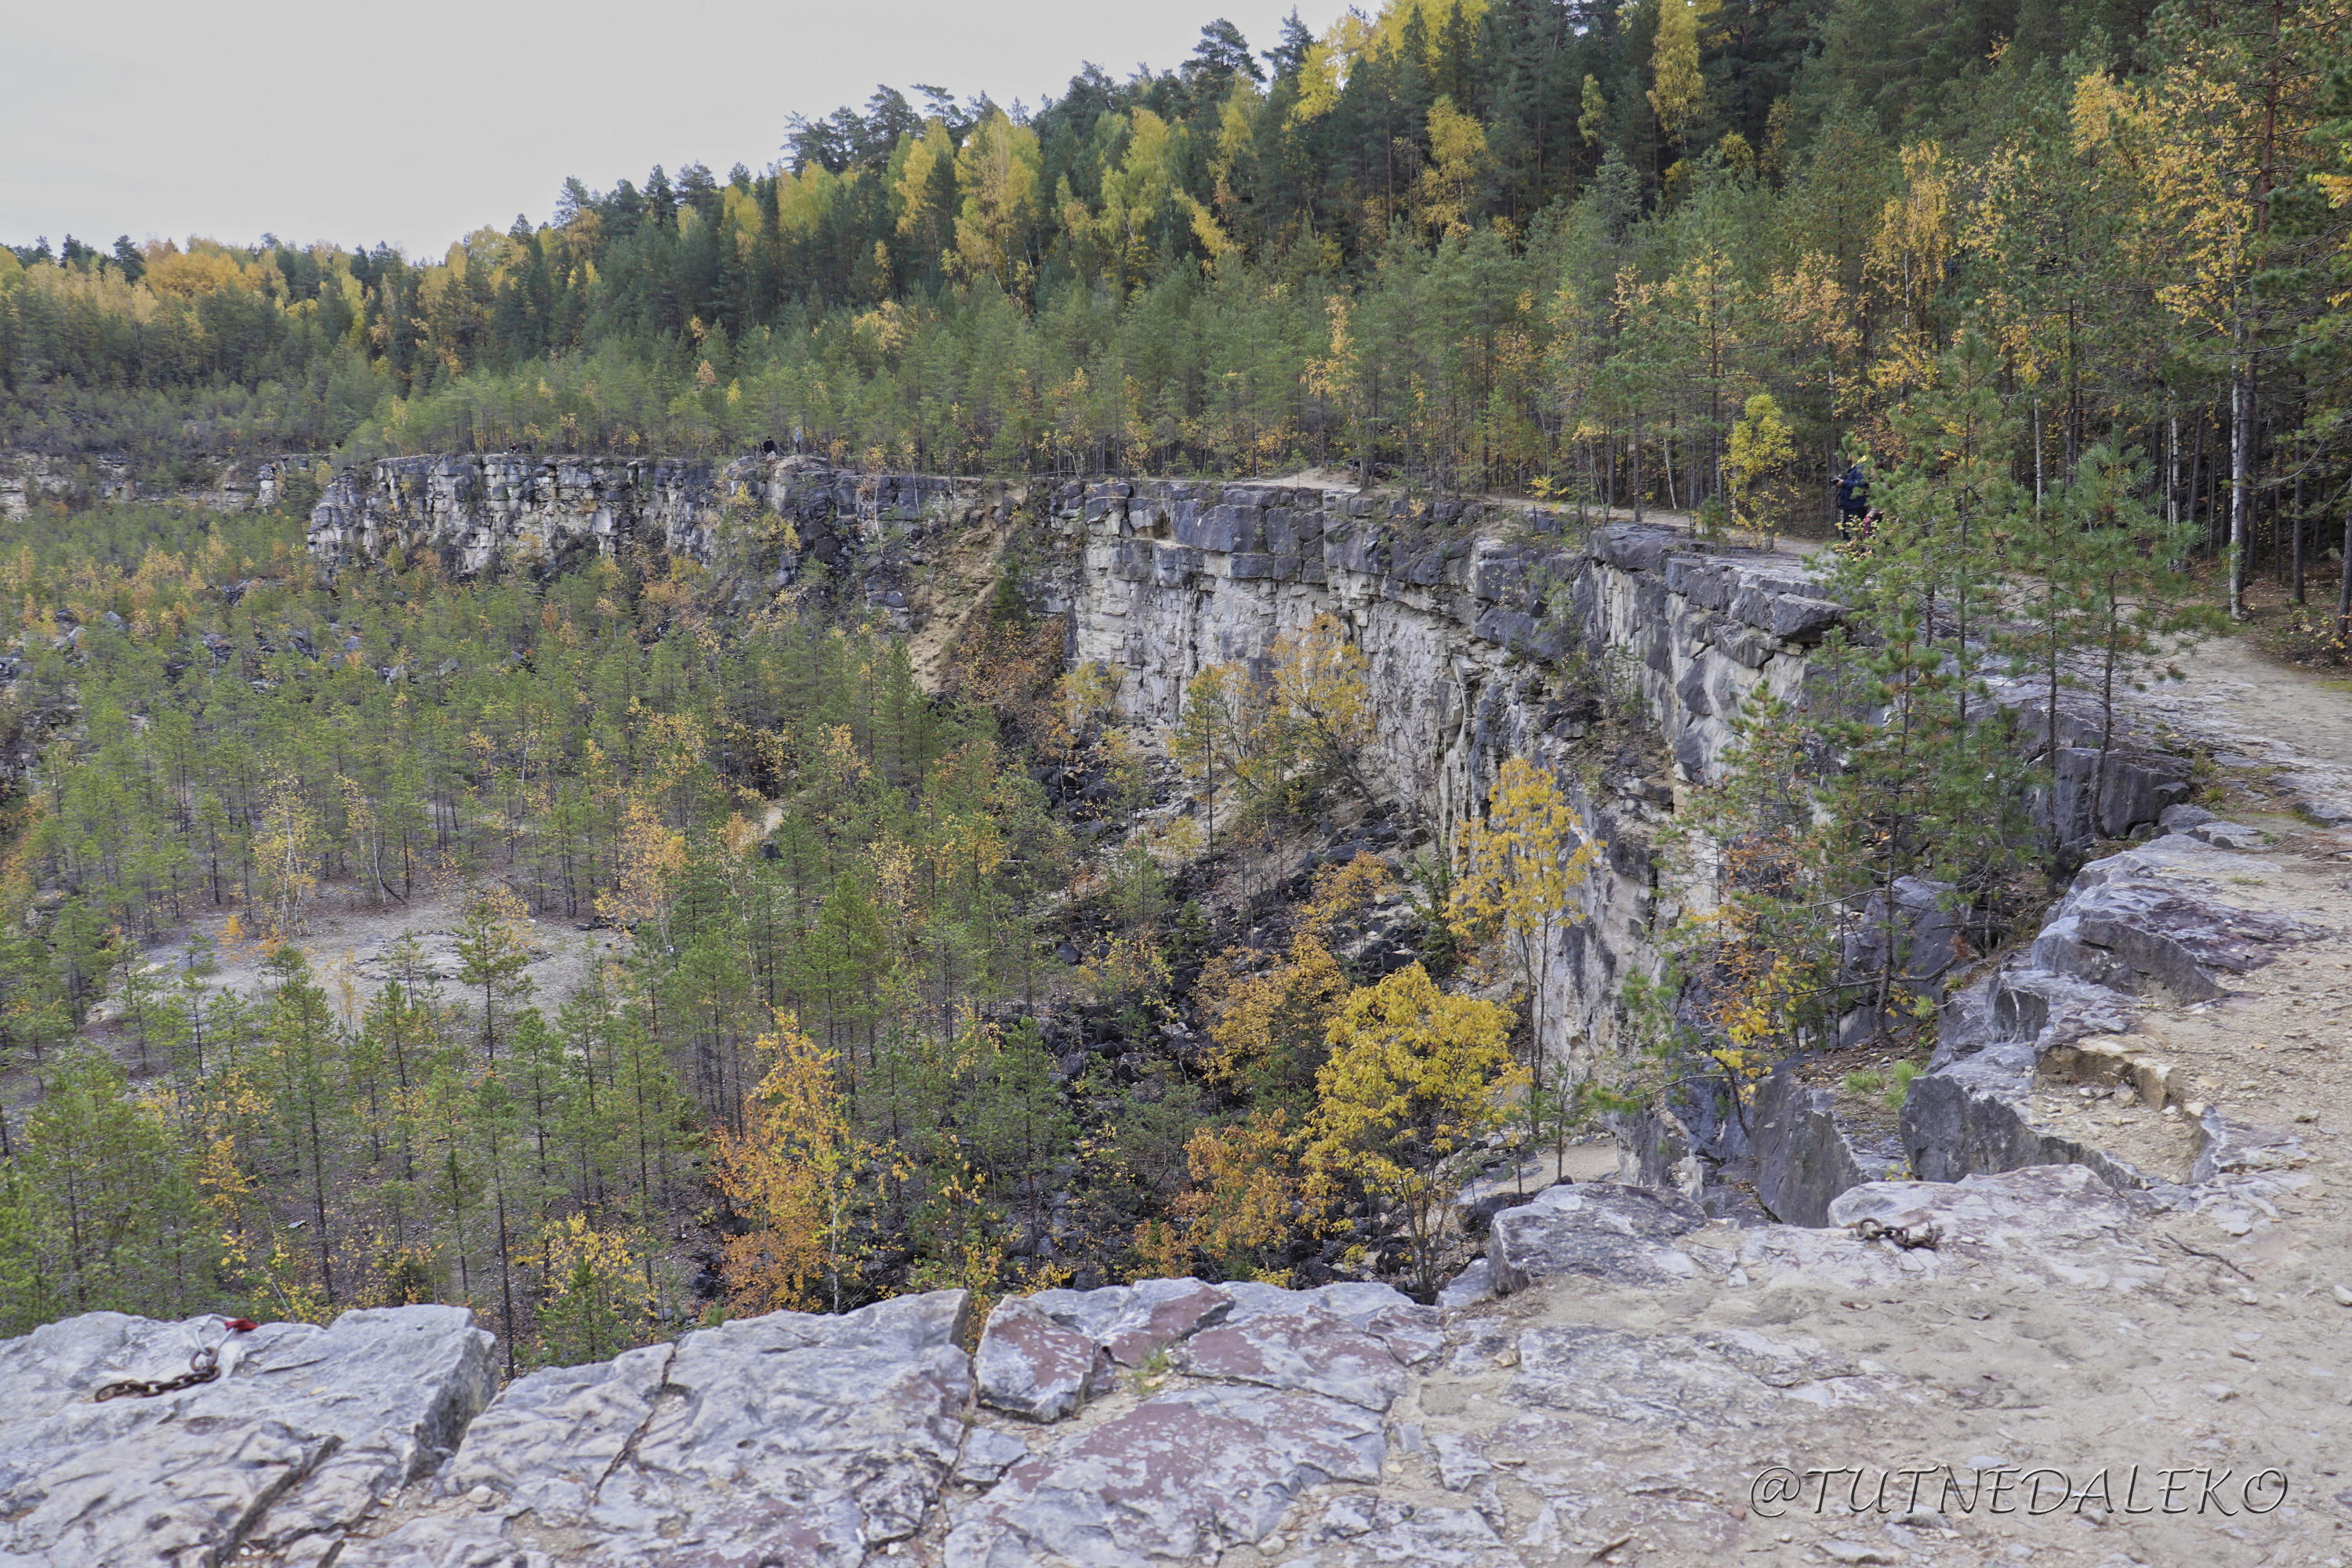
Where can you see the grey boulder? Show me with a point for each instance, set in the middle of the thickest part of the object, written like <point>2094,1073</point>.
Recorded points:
<point>306,1428</point>
<point>1032,1366</point>
<point>1621,1235</point>
<point>802,1438</point>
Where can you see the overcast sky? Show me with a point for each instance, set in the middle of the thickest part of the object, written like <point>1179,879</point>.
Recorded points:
<point>417,122</point>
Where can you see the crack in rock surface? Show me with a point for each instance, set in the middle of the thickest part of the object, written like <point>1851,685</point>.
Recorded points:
<point>791,1438</point>
<point>307,1429</point>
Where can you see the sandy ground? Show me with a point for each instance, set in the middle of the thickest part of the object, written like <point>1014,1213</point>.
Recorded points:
<point>2234,688</point>
<point>349,947</point>
<point>2276,1050</point>
<point>2205,1366</point>
<point>1590,1160</point>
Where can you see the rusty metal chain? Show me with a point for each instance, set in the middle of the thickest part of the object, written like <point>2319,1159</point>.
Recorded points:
<point>1902,1235</point>
<point>203,1366</point>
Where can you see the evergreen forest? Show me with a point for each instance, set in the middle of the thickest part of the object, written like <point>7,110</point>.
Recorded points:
<point>1527,246</point>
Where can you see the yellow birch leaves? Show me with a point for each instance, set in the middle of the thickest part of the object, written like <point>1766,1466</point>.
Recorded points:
<point>794,1174</point>
<point>1677,92</point>
<point>1415,1078</point>
<point>651,856</point>
<point>998,170</point>
<point>1762,446</point>
<point>1520,867</point>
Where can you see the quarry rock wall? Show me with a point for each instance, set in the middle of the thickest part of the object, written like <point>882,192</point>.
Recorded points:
<point>1495,632</point>
<point>30,479</point>
<point>1467,612</point>
<point>528,511</point>
<point>1614,1370</point>
<point>1491,629</point>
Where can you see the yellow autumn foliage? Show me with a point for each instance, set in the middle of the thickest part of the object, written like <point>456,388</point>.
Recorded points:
<point>1415,1081</point>
<point>1240,1209</point>
<point>794,1172</point>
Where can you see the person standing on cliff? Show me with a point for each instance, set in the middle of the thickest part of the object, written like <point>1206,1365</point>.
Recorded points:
<point>1854,503</point>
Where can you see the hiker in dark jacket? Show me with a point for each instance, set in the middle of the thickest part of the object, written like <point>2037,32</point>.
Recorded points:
<point>1854,503</point>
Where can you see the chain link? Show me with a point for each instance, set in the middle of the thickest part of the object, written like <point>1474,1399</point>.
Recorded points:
<point>203,1366</point>
<point>1905,1236</point>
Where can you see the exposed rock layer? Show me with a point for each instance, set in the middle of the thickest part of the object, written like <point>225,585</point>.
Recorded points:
<point>306,1430</point>
<point>1645,1373</point>
<point>788,1437</point>
<point>222,484</point>
<point>1483,622</point>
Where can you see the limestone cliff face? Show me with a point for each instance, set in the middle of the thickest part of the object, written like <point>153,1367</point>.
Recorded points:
<point>1468,613</point>
<point>1492,630</point>
<point>525,511</point>
<point>1468,624</point>
<point>223,484</point>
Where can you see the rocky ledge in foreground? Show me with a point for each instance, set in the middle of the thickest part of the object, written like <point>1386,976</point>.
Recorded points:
<point>1648,1384</point>
<point>305,1432</point>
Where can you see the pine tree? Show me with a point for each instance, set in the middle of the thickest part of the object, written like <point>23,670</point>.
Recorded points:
<point>493,954</point>
<point>305,1076</point>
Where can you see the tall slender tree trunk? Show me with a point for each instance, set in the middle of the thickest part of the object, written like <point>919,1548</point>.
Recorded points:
<point>2173,468</point>
<point>2344,582</point>
<point>319,1197</point>
<point>505,1274</point>
<point>2241,442</point>
<point>2296,523</point>
<point>1637,471</point>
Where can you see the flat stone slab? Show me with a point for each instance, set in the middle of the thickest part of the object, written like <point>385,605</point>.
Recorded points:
<point>1723,1380</point>
<point>306,1428</point>
<point>1313,1349</point>
<point>1030,1365</point>
<point>1604,1231</point>
<point>1411,1330</point>
<point>1134,1321</point>
<point>1365,1532</point>
<point>1179,1478</point>
<point>791,1438</point>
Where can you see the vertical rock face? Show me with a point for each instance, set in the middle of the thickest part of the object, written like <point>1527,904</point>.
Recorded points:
<point>1455,609</point>
<point>223,484</point>
<point>306,1430</point>
<point>525,511</point>
<point>1481,623</point>
<point>1457,622</point>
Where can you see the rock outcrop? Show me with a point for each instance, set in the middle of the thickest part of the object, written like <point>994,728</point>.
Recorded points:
<point>526,512</point>
<point>1492,630</point>
<point>1462,607</point>
<point>220,484</point>
<point>305,1431</point>
<point>789,1438</point>
<point>1653,1386</point>
<point>2160,930</point>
